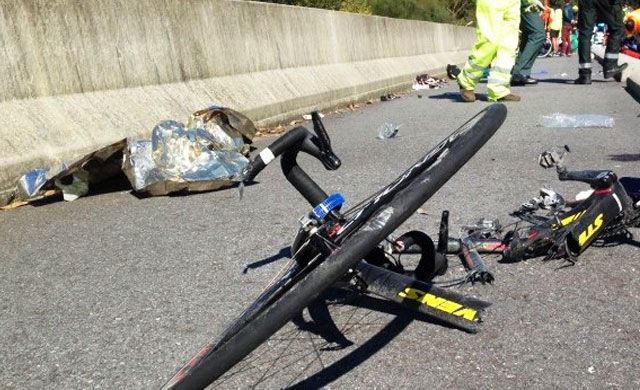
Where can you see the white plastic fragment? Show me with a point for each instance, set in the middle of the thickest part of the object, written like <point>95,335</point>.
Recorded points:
<point>388,130</point>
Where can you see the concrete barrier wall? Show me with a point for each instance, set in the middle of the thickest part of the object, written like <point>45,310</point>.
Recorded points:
<point>77,74</point>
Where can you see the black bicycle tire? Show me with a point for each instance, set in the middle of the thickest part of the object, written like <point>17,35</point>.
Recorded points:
<point>462,144</point>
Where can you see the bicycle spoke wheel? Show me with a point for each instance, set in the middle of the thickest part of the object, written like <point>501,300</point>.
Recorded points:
<point>303,259</point>
<point>302,348</point>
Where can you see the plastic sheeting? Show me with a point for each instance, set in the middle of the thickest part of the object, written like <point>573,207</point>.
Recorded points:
<point>206,154</point>
<point>177,159</point>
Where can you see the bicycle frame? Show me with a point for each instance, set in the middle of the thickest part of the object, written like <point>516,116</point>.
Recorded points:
<point>571,232</point>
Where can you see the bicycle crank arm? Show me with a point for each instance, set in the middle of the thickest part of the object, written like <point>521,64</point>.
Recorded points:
<point>441,304</point>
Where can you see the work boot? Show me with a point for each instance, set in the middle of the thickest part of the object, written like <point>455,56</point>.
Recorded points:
<point>614,70</point>
<point>512,97</point>
<point>583,78</point>
<point>468,96</point>
<point>518,81</point>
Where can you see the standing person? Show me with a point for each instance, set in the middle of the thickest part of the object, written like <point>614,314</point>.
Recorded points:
<point>567,26</point>
<point>609,11</point>
<point>546,15</point>
<point>532,39</point>
<point>555,27</point>
<point>496,41</point>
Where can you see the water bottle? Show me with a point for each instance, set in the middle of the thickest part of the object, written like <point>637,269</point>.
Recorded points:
<point>572,121</point>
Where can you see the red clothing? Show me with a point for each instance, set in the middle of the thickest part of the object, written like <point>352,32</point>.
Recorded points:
<point>546,17</point>
<point>631,53</point>
<point>566,39</point>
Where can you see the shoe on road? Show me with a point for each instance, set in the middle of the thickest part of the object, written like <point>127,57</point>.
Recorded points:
<point>614,71</point>
<point>584,79</point>
<point>510,98</point>
<point>467,96</point>
<point>520,82</point>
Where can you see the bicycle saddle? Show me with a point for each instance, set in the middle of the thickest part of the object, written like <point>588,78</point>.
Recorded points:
<point>596,179</point>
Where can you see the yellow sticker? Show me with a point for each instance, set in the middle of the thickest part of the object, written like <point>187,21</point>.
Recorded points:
<point>591,230</point>
<point>439,303</point>
<point>571,219</point>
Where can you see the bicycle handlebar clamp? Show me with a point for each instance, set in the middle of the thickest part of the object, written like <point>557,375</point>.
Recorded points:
<point>333,201</point>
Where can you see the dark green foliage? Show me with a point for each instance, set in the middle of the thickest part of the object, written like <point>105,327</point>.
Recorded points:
<point>325,4</point>
<point>434,10</point>
<point>446,11</point>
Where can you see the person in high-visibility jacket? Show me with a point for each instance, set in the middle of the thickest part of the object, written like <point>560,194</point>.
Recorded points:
<point>496,42</point>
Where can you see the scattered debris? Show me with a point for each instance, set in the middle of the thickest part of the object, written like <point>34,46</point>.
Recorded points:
<point>94,167</point>
<point>389,96</point>
<point>74,186</point>
<point>32,181</point>
<point>206,154</point>
<point>424,81</point>
<point>587,120</point>
<point>271,130</point>
<point>388,130</point>
<point>42,195</point>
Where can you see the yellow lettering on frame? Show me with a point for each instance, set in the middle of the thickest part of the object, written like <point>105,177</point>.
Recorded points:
<point>591,230</point>
<point>432,300</point>
<point>438,303</point>
<point>449,306</point>
<point>411,293</point>
<point>466,313</point>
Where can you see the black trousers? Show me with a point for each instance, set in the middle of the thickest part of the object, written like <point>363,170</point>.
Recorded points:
<point>590,12</point>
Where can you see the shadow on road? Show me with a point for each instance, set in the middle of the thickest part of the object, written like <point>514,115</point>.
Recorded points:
<point>556,81</point>
<point>625,157</point>
<point>326,328</point>
<point>285,253</point>
<point>359,355</point>
<point>633,94</point>
<point>569,81</point>
<point>455,97</point>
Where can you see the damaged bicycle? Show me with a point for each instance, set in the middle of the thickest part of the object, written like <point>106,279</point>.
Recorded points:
<point>348,246</point>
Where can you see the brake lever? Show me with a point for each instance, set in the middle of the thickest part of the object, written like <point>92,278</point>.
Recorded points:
<point>321,132</point>
<point>328,158</point>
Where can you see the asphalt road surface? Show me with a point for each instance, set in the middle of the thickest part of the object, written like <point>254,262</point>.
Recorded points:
<point>112,291</point>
